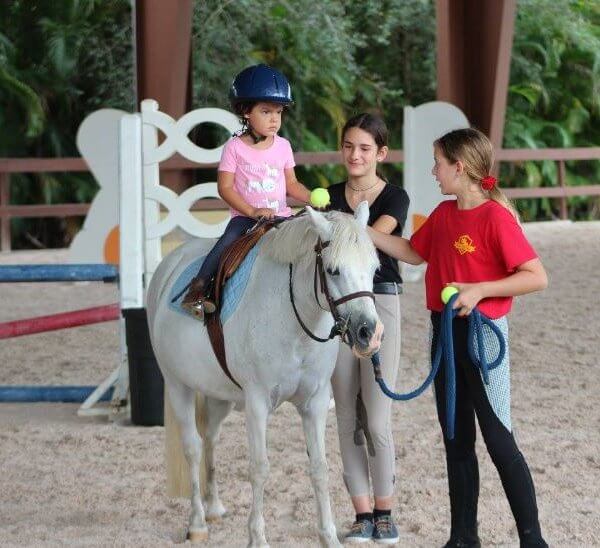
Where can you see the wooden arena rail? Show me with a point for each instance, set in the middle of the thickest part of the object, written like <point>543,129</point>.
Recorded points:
<point>9,166</point>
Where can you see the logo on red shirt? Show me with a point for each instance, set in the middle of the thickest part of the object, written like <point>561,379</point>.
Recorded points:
<point>464,244</point>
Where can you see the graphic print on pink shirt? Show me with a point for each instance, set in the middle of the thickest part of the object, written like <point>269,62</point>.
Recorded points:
<point>259,176</point>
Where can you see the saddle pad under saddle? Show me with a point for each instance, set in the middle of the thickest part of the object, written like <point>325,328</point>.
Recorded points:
<point>234,288</point>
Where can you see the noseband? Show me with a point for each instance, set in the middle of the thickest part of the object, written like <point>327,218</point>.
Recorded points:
<point>340,326</point>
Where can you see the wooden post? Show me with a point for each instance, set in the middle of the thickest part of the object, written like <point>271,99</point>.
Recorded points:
<point>474,43</point>
<point>562,175</point>
<point>163,64</point>
<point>5,235</point>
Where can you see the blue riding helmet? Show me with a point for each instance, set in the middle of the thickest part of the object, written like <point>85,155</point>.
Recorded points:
<point>260,83</point>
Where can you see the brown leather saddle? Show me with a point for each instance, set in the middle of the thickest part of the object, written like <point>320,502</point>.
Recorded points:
<point>229,263</point>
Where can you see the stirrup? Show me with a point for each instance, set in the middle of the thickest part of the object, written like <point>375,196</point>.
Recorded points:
<point>200,307</point>
<point>207,306</point>
<point>195,309</point>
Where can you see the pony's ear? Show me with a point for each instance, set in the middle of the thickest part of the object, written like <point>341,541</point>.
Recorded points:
<point>361,213</point>
<point>322,225</point>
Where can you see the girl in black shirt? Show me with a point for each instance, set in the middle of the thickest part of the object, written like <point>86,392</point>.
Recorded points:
<point>363,411</point>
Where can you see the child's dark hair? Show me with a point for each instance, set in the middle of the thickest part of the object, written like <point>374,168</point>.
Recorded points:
<point>240,109</point>
<point>372,124</point>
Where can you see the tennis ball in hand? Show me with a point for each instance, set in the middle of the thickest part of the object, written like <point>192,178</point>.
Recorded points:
<point>319,197</point>
<point>447,292</point>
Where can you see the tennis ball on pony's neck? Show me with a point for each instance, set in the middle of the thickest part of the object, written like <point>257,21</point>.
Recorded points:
<point>447,292</point>
<point>319,198</point>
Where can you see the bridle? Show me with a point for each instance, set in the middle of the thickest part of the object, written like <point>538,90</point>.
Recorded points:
<point>340,326</point>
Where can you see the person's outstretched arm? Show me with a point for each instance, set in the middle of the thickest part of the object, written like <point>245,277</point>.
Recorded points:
<point>395,246</point>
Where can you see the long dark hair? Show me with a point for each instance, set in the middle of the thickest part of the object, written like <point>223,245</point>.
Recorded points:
<point>374,126</point>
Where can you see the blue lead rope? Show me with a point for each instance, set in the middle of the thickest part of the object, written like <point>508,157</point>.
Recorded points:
<point>445,348</point>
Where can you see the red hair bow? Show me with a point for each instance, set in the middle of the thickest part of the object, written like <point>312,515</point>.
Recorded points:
<point>489,182</point>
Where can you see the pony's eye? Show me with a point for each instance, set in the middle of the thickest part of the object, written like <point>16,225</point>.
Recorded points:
<point>333,272</point>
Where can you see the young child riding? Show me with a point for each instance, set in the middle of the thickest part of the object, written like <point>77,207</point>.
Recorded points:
<point>475,244</point>
<point>256,170</point>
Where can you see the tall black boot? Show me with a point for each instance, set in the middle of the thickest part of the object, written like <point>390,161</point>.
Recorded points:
<point>463,483</point>
<point>519,489</point>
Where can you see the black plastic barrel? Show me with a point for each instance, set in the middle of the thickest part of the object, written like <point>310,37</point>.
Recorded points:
<point>146,384</point>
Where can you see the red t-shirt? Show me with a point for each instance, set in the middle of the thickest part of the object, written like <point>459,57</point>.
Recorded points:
<point>471,245</point>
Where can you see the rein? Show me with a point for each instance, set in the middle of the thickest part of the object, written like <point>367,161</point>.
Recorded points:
<point>445,349</point>
<point>340,326</point>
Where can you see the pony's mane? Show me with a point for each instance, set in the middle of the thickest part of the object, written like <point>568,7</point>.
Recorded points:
<point>350,245</point>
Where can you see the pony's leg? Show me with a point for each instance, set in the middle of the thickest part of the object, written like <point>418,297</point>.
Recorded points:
<point>183,402</point>
<point>209,416</point>
<point>257,412</point>
<point>314,418</point>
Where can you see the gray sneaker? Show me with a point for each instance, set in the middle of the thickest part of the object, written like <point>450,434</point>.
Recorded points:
<point>361,531</point>
<point>385,531</point>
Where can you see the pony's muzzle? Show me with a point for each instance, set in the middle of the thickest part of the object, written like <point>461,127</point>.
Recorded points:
<point>367,336</point>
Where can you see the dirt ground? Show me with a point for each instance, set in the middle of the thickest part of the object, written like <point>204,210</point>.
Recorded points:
<point>87,482</point>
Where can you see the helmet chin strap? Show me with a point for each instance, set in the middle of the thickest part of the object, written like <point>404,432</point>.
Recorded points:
<point>256,137</point>
<point>249,130</point>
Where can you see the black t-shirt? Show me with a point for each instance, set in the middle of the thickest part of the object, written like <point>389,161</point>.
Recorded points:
<point>392,201</point>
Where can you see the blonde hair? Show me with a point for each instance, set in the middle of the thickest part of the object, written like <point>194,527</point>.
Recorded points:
<point>476,153</point>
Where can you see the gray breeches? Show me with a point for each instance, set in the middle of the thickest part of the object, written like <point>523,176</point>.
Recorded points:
<point>363,411</point>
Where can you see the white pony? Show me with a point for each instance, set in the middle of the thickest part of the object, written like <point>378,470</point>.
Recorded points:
<point>268,352</point>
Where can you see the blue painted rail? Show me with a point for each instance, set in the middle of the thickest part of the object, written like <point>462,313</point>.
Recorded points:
<point>59,273</point>
<point>66,394</point>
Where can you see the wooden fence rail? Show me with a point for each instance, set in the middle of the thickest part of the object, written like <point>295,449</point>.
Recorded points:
<point>9,166</point>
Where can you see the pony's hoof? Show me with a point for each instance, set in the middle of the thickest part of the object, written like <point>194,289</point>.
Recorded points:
<point>211,517</point>
<point>197,535</point>
<point>214,510</point>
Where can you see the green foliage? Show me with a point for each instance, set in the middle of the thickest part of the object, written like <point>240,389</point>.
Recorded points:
<point>59,61</point>
<point>340,57</point>
<point>554,96</point>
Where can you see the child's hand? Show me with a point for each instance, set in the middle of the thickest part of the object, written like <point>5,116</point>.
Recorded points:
<point>468,297</point>
<point>265,212</point>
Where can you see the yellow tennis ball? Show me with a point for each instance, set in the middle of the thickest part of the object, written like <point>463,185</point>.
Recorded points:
<point>319,197</point>
<point>447,292</point>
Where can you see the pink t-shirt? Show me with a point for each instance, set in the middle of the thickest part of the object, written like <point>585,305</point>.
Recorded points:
<point>259,174</point>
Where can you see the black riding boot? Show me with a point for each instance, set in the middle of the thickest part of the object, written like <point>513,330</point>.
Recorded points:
<point>520,492</point>
<point>463,483</point>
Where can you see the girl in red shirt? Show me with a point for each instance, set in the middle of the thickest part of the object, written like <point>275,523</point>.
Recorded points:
<point>475,243</point>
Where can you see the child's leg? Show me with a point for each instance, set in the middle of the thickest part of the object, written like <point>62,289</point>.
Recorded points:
<point>492,405</point>
<point>345,383</point>
<point>195,297</point>
<point>376,419</point>
<point>237,227</point>
<point>461,460</point>
<point>378,407</point>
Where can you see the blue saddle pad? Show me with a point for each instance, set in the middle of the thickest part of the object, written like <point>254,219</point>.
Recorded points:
<point>234,288</point>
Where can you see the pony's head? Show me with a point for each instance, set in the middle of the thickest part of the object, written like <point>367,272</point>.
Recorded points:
<point>349,260</point>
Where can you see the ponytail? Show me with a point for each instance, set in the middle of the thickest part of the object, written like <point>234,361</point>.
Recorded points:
<point>498,196</point>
